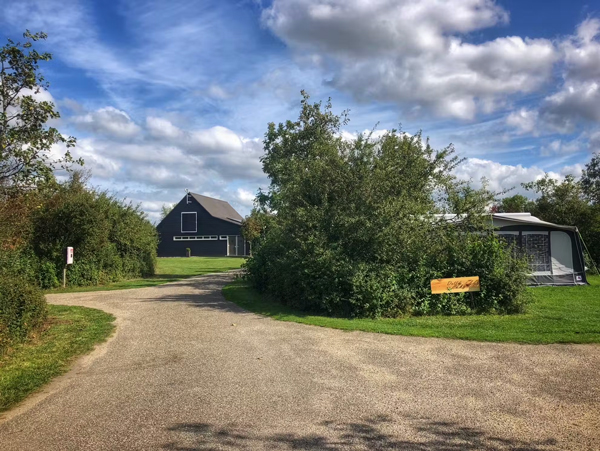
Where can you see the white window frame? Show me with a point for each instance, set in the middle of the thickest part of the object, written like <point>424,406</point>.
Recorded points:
<point>195,222</point>
<point>196,238</point>
<point>223,237</point>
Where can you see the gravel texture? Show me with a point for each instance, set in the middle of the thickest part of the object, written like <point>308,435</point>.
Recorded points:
<point>188,370</point>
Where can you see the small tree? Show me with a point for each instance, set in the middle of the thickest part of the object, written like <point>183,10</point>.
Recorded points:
<point>515,204</point>
<point>165,210</point>
<point>25,140</point>
<point>590,179</point>
<point>567,202</point>
<point>561,202</point>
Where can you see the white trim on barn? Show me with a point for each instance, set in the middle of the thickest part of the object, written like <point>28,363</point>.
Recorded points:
<point>195,221</point>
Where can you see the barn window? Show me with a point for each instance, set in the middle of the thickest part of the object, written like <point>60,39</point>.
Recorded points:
<point>189,222</point>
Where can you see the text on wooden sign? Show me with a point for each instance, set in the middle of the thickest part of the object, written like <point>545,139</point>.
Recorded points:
<point>456,285</point>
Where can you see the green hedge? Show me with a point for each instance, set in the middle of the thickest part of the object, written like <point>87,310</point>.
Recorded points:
<point>113,240</point>
<point>22,309</point>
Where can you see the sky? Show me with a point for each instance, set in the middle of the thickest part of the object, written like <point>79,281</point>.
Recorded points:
<point>165,96</point>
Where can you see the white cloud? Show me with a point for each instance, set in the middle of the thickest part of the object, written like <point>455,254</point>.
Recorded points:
<point>578,100</point>
<point>245,197</point>
<point>375,134</point>
<point>39,95</point>
<point>69,25</point>
<point>560,147</point>
<point>594,142</point>
<point>411,51</point>
<point>108,121</point>
<point>163,128</point>
<point>169,159</point>
<point>524,120</point>
<point>582,52</point>
<point>217,92</point>
<point>218,148</point>
<point>574,103</point>
<point>501,177</point>
<point>574,169</point>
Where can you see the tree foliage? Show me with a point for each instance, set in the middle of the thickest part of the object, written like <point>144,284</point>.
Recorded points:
<point>590,179</point>
<point>165,210</point>
<point>356,229</point>
<point>568,202</point>
<point>514,204</point>
<point>25,140</point>
<point>113,240</point>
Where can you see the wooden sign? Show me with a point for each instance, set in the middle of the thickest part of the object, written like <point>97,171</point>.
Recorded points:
<point>456,285</point>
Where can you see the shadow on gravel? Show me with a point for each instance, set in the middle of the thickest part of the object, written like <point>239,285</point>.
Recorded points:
<point>364,435</point>
<point>206,294</point>
<point>208,301</point>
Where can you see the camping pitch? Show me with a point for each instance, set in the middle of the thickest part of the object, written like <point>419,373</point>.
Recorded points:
<point>555,252</point>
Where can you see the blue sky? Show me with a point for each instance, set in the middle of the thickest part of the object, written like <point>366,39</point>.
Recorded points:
<point>165,96</point>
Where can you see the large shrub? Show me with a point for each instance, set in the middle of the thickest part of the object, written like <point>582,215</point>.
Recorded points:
<point>22,304</point>
<point>360,227</point>
<point>113,240</point>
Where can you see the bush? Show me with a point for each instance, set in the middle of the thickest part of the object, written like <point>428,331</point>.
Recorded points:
<point>356,228</point>
<point>22,309</point>
<point>47,276</point>
<point>112,240</point>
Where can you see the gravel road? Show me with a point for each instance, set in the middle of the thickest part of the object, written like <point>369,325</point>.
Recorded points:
<point>187,370</point>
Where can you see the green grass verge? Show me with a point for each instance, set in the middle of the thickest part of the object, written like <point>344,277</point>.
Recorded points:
<point>71,332</point>
<point>167,270</point>
<point>557,315</point>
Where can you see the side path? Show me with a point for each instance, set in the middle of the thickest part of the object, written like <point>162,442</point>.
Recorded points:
<point>188,370</point>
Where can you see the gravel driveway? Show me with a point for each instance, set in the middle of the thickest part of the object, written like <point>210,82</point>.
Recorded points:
<point>187,370</point>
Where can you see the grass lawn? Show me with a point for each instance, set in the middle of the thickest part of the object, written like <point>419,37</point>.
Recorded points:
<point>167,270</point>
<point>557,315</point>
<point>70,332</point>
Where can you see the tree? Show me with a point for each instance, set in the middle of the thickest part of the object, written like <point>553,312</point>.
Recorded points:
<point>565,202</point>
<point>560,202</point>
<point>165,210</point>
<point>590,179</point>
<point>515,204</point>
<point>25,140</point>
<point>355,229</point>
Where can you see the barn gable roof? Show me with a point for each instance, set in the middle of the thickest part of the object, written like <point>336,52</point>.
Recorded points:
<point>219,209</point>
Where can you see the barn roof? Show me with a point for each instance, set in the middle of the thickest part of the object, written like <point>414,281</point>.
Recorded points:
<point>218,208</point>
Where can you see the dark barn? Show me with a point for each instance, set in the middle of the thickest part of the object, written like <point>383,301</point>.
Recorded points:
<point>208,227</point>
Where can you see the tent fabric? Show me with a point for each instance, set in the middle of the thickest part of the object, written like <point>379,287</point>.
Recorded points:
<point>555,252</point>
<point>527,218</point>
<point>562,255</point>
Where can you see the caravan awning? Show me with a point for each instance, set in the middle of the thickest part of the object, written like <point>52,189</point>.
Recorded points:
<point>526,218</point>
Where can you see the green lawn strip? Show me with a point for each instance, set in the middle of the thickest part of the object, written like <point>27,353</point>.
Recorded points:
<point>72,331</point>
<point>557,315</point>
<point>167,270</point>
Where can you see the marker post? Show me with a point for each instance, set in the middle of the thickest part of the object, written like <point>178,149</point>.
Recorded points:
<point>68,261</point>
